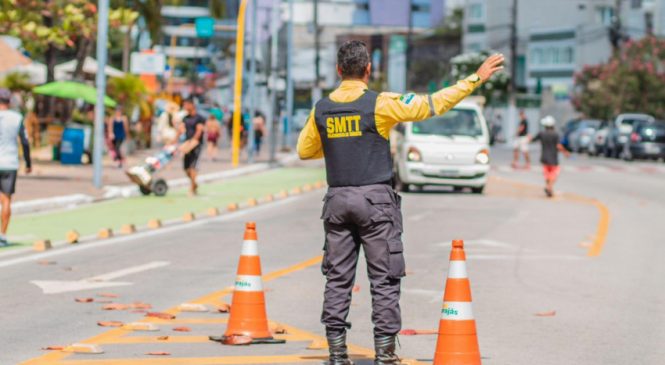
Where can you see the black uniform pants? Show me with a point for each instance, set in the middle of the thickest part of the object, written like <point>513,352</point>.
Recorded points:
<point>367,216</point>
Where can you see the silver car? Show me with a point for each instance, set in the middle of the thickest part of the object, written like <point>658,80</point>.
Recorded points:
<point>450,150</point>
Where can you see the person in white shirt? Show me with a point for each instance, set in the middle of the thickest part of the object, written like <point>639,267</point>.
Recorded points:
<point>11,130</point>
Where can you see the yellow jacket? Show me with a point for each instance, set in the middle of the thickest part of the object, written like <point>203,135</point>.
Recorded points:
<point>391,108</point>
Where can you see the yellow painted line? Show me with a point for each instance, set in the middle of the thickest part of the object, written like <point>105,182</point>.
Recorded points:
<point>225,360</point>
<point>602,226</point>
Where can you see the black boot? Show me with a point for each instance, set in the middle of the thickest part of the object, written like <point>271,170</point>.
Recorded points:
<point>385,351</point>
<point>337,348</point>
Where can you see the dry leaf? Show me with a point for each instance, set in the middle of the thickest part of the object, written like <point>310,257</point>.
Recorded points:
<point>141,305</point>
<point>160,315</point>
<point>412,332</point>
<point>279,330</point>
<point>546,314</point>
<point>224,308</point>
<point>158,353</point>
<point>163,338</point>
<point>103,301</point>
<point>356,288</point>
<point>115,307</point>
<point>84,300</point>
<point>141,311</point>
<point>53,348</point>
<point>182,329</point>
<point>46,262</point>
<point>237,340</point>
<point>107,295</point>
<point>110,323</point>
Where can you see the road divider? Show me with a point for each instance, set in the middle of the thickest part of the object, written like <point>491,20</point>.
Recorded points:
<point>457,342</point>
<point>188,217</point>
<point>73,237</point>
<point>232,207</point>
<point>105,233</point>
<point>213,212</point>
<point>154,223</point>
<point>128,229</point>
<point>252,202</point>
<point>42,245</point>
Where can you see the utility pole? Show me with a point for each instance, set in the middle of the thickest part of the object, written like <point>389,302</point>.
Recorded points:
<point>289,79</point>
<point>102,38</point>
<point>316,90</point>
<point>272,121</point>
<point>252,85</point>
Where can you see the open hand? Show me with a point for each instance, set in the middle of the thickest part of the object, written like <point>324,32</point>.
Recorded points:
<point>491,65</point>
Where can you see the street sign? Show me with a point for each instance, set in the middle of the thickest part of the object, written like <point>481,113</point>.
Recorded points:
<point>148,63</point>
<point>205,27</point>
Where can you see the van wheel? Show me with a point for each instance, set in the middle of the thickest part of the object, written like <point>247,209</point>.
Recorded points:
<point>478,190</point>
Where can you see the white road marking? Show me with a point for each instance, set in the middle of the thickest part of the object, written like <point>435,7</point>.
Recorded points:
<point>95,282</point>
<point>147,234</point>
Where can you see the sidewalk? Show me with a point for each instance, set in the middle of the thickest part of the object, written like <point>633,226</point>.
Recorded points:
<point>51,181</point>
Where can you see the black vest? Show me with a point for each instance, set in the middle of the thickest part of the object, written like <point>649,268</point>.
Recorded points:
<point>355,153</point>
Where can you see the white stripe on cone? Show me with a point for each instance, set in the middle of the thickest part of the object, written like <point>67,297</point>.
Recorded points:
<point>248,283</point>
<point>457,311</point>
<point>457,270</point>
<point>250,248</point>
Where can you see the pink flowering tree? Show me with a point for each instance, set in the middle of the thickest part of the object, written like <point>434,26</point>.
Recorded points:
<point>633,80</point>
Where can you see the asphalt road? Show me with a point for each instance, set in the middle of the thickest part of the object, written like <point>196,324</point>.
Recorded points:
<point>590,260</point>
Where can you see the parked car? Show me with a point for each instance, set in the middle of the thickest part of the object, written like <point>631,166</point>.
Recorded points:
<point>581,137</point>
<point>450,150</point>
<point>567,129</point>
<point>597,145</point>
<point>620,130</point>
<point>646,141</point>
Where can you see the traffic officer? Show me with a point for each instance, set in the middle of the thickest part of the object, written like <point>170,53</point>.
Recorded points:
<point>350,129</point>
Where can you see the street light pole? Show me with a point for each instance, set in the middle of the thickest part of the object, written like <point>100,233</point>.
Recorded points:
<point>237,83</point>
<point>272,125</point>
<point>102,38</point>
<point>289,79</point>
<point>252,87</point>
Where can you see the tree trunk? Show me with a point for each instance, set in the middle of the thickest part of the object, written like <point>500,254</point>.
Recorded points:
<point>81,54</point>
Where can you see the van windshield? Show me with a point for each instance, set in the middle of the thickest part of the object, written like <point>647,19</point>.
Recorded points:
<point>456,122</point>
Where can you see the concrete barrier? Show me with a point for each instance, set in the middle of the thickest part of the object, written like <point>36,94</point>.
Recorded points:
<point>42,245</point>
<point>188,217</point>
<point>154,223</point>
<point>105,233</point>
<point>128,229</point>
<point>72,237</point>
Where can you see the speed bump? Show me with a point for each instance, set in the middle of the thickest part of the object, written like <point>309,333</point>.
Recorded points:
<point>73,237</point>
<point>42,245</point>
<point>128,229</point>
<point>188,217</point>
<point>105,233</point>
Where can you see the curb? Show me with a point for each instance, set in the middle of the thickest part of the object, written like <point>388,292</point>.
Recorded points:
<point>130,190</point>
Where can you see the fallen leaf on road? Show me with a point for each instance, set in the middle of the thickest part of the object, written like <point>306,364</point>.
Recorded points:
<point>141,311</point>
<point>182,329</point>
<point>110,324</point>
<point>356,288</point>
<point>158,353</point>
<point>412,332</point>
<point>141,305</point>
<point>46,262</point>
<point>53,348</point>
<point>224,308</point>
<point>318,345</point>
<point>163,338</point>
<point>115,307</point>
<point>107,295</point>
<point>546,314</point>
<point>235,340</point>
<point>103,301</point>
<point>84,300</point>
<point>160,315</point>
<point>278,330</point>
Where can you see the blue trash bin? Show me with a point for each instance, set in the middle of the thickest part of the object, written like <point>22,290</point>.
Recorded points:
<point>71,147</point>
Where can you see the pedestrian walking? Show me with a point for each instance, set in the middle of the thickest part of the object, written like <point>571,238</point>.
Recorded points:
<point>213,133</point>
<point>118,130</point>
<point>522,142</point>
<point>11,130</point>
<point>549,156</point>
<point>192,128</point>
<point>259,125</point>
<point>350,129</point>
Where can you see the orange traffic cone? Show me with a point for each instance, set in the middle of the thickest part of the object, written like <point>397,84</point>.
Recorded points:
<point>248,308</point>
<point>457,343</point>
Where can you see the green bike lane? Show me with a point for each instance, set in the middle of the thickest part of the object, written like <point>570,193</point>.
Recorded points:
<point>89,219</point>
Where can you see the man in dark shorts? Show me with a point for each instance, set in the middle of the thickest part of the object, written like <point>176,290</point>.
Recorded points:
<point>549,155</point>
<point>193,125</point>
<point>11,129</point>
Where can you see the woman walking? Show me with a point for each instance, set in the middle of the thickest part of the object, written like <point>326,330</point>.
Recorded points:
<point>118,130</point>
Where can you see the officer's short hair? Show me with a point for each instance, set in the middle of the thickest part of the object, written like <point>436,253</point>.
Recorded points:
<point>352,59</point>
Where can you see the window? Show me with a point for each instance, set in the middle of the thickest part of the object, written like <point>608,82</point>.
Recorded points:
<point>476,11</point>
<point>537,56</point>
<point>568,55</point>
<point>605,15</point>
<point>635,4</point>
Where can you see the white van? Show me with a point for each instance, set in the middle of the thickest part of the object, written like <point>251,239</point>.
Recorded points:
<point>450,150</point>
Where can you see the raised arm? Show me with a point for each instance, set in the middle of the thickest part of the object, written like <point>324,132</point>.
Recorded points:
<point>394,108</point>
